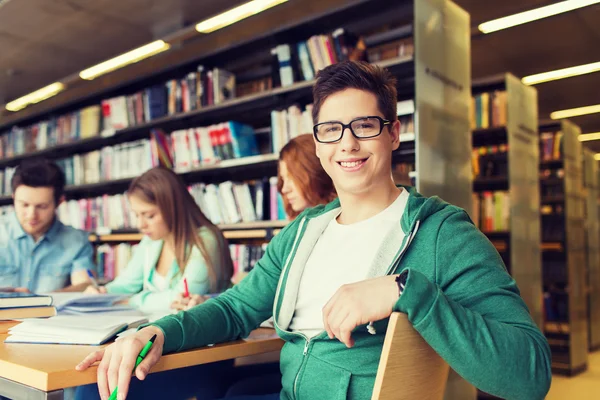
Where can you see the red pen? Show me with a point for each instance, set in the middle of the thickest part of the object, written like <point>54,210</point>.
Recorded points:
<point>186,293</point>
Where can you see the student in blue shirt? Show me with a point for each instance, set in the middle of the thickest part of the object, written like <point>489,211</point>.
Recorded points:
<point>38,253</point>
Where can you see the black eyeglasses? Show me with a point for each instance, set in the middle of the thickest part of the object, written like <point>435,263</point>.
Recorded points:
<point>361,128</point>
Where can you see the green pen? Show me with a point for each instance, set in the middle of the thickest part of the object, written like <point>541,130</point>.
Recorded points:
<point>140,358</point>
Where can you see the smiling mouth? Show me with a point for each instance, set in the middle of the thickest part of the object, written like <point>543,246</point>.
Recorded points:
<point>352,164</point>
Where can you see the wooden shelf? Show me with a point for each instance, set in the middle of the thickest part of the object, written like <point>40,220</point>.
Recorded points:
<point>497,234</point>
<point>490,183</point>
<point>553,199</point>
<point>244,230</point>
<point>552,246</point>
<point>552,181</point>
<point>489,136</point>
<point>557,327</point>
<point>551,164</point>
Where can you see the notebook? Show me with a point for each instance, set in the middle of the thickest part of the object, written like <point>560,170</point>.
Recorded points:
<point>73,329</point>
<point>79,303</point>
<point>7,314</point>
<point>18,299</point>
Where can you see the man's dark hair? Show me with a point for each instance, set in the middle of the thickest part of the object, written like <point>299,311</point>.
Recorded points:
<point>40,173</point>
<point>357,75</point>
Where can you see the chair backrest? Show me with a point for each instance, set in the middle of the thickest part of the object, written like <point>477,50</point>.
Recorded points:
<point>409,368</point>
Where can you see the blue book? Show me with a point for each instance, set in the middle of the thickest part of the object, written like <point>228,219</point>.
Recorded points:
<point>10,299</point>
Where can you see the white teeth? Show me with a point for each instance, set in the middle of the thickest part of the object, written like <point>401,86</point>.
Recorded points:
<point>350,164</point>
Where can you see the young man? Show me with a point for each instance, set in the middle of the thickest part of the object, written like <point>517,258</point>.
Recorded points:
<point>40,254</point>
<point>334,275</point>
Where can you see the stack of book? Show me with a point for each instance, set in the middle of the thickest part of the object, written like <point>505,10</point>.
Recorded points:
<point>17,305</point>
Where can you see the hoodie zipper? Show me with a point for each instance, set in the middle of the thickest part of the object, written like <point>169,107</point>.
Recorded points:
<point>411,236</point>
<point>303,336</point>
<point>391,268</point>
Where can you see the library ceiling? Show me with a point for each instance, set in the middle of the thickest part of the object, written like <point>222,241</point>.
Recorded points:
<point>42,41</point>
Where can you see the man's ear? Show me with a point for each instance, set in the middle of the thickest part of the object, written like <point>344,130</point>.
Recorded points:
<point>395,134</point>
<point>61,200</point>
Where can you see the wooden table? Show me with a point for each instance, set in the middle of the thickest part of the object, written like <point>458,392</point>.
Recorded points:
<point>32,371</point>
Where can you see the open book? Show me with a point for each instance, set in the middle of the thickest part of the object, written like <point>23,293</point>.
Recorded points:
<point>73,329</point>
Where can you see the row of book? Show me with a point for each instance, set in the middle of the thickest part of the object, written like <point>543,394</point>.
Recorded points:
<point>491,211</point>
<point>234,202</point>
<point>551,146</point>
<point>301,61</point>
<point>5,180</point>
<point>6,213</point>
<point>112,259</point>
<point>488,110</point>
<point>193,147</point>
<point>288,123</point>
<point>67,128</point>
<point>182,150</point>
<point>121,161</point>
<point>244,257</point>
<point>99,213</point>
<point>304,59</point>
<point>486,161</point>
<point>197,89</point>
<point>225,203</point>
<point>200,88</point>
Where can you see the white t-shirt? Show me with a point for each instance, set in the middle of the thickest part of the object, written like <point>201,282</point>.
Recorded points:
<point>343,254</point>
<point>159,282</point>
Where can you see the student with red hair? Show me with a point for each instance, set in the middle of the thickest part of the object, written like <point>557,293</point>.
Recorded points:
<point>302,181</point>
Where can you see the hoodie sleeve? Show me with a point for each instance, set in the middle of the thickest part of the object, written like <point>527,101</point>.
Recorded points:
<point>236,312</point>
<point>475,318</point>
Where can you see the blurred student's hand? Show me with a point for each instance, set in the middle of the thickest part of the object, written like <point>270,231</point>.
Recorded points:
<point>118,360</point>
<point>92,290</point>
<point>185,303</point>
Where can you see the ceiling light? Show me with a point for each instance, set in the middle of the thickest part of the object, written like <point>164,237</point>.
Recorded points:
<point>575,112</point>
<point>35,97</point>
<point>597,156</point>
<point>586,137</point>
<point>533,15</point>
<point>561,73</point>
<point>236,14</point>
<point>130,57</point>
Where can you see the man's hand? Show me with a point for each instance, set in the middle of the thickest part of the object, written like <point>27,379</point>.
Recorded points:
<point>118,360</point>
<point>357,304</point>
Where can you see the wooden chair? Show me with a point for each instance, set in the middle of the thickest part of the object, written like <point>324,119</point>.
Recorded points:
<point>409,368</point>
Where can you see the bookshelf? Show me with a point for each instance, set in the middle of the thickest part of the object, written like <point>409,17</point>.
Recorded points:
<point>564,225</point>
<point>505,189</point>
<point>592,221</point>
<point>437,153</point>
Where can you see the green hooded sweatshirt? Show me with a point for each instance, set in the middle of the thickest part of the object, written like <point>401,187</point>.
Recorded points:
<point>458,296</point>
